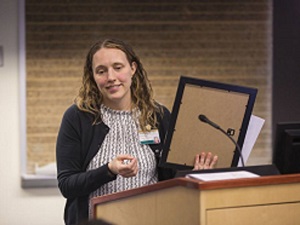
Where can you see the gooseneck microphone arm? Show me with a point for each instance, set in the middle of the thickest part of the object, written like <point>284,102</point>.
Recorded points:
<point>204,119</point>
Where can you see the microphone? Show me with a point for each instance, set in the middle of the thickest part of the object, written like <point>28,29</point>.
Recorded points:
<point>204,119</point>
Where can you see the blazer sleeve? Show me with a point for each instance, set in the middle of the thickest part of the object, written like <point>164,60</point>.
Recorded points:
<point>71,150</point>
<point>164,120</point>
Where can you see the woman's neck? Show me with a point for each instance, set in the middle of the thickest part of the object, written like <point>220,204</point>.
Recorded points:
<point>119,106</point>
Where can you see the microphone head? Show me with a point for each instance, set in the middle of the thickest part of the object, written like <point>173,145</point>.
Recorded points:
<point>202,118</point>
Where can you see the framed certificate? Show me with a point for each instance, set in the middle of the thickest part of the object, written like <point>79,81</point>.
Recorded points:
<point>229,106</point>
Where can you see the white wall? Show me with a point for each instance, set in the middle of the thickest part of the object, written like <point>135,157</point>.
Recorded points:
<point>17,205</point>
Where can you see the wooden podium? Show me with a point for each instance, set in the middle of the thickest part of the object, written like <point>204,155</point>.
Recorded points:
<point>272,200</point>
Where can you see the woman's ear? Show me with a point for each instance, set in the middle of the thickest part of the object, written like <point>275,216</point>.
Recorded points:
<point>133,68</point>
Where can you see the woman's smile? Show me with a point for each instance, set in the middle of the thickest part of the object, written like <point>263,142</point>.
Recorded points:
<point>113,88</point>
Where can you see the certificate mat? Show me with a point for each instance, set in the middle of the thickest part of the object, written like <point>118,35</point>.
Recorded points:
<point>229,106</point>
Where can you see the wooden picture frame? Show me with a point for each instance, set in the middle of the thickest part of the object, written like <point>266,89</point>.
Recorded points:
<point>230,106</point>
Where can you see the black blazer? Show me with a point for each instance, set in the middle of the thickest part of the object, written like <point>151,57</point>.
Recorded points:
<point>77,143</point>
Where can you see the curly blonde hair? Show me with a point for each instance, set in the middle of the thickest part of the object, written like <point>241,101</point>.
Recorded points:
<point>90,98</point>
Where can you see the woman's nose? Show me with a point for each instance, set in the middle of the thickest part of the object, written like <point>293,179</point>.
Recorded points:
<point>111,74</point>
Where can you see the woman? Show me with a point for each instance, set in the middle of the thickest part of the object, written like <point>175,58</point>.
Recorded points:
<point>106,140</point>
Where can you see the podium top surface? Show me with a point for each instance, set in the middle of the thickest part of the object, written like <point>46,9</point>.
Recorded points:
<point>200,185</point>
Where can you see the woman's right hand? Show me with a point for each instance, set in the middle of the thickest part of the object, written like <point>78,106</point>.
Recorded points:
<point>124,165</point>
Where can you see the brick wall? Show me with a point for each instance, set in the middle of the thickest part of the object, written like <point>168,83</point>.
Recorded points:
<point>227,41</point>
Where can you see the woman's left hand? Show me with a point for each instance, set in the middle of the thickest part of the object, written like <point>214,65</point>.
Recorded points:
<point>205,161</point>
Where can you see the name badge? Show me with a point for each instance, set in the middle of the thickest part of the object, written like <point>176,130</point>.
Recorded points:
<point>150,137</point>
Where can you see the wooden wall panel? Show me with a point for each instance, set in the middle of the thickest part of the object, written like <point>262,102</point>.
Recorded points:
<point>227,41</point>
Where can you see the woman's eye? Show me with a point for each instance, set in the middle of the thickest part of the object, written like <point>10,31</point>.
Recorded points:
<point>118,67</point>
<point>100,72</point>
